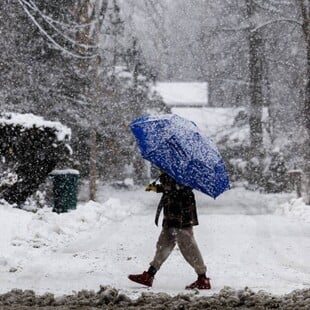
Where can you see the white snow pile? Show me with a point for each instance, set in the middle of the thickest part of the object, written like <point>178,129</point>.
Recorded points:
<point>29,120</point>
<point>248,239</point>
<point>46,228</point>
<point>295,209</point>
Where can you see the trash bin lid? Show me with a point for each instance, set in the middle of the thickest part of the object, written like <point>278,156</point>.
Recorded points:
<point>64,171</point>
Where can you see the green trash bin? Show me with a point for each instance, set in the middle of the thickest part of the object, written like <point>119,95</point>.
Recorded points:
<point>65,189</point>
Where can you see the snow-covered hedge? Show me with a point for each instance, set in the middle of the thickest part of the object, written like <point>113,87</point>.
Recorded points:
<point>29,120</point>
<point>30,148</point>
<point>269,171</point>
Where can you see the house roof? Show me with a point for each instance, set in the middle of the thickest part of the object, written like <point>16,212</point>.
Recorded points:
<point>187,94</point>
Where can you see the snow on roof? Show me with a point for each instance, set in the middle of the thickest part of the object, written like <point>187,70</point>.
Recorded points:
<point>29,120</point>
<point>183,93</point>
<point>64,171</point>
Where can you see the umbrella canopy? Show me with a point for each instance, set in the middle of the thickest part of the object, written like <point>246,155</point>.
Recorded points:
<point>177,146</point>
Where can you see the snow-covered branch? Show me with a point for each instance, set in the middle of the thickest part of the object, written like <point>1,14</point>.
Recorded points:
<point>69,26</point>
<point>64,50</point>
<point>49,22</point>
<point>258,27</point>
<point>270,8</point>
<point>244,28</point>
<point>285,20</point>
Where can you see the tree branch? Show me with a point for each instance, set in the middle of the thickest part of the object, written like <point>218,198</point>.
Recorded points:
<point>74,42</point>
<point>49,37</point>
<point>269,9</point>
<point>286,20</point>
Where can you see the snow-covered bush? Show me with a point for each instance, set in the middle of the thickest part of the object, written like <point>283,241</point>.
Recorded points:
<point>30,148</point>
<point>267,171</point>
<point>276,175</point>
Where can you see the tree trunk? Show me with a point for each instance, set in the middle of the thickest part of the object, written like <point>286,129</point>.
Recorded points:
<point>91,13</point>
<point>305,12</point>
<point>307,121</point>
<point>93,166</point>
<point>256,104</point>
<point>256,97</point>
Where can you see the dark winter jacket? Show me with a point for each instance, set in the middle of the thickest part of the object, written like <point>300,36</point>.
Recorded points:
<point>178,202</point>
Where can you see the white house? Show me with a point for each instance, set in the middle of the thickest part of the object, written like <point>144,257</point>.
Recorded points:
<point>190,100</point>
<point>183,94</point>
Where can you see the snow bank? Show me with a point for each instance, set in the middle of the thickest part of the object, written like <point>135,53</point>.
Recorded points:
<point>295,209</point>
<point>46,228</point>
<point>113,299</point>
<point>245,236</point>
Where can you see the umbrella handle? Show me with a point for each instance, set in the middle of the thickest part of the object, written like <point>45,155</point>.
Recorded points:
<point>154,182</point>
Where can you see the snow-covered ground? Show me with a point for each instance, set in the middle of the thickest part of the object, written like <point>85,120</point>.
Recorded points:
<point>247,239</point>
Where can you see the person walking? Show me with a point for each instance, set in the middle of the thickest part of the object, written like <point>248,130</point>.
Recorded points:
<point>180,215</point>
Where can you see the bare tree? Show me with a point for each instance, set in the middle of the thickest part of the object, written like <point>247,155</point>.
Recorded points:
<point>156,23</point>
<point>258,60</point>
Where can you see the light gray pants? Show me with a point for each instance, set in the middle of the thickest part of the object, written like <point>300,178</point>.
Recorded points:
<point>186,242</point>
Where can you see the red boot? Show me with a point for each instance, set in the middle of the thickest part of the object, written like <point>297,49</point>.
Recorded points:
<point>202,283</point>
<point>145,278</point>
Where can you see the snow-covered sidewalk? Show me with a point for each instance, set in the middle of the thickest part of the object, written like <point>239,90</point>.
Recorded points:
<point>247,239</point>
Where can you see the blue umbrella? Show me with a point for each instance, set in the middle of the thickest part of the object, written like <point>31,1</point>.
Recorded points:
<point>178,147</point>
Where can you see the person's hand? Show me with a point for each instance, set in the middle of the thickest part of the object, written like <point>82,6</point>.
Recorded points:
<point>151,187</point>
